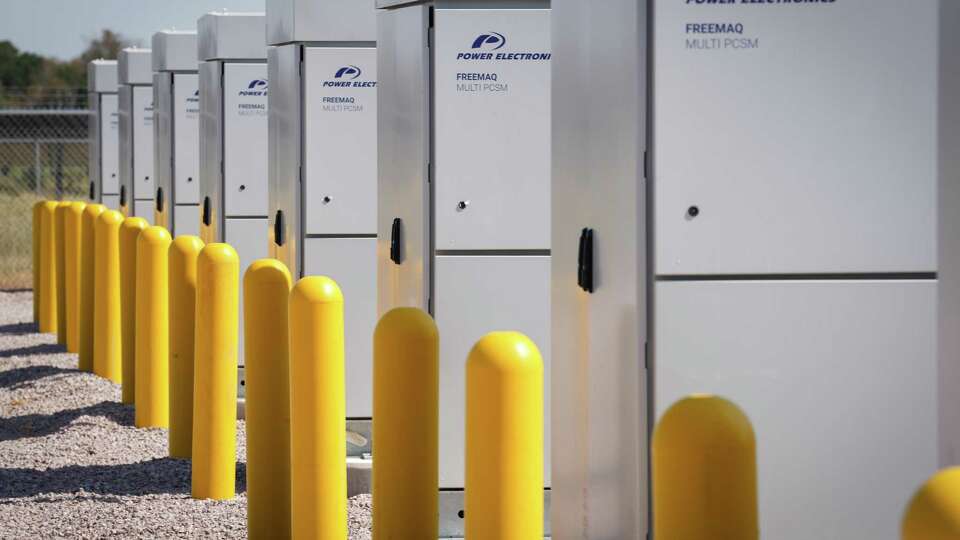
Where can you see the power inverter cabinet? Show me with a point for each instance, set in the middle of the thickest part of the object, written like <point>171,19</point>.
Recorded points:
<point>322,66</point>
<point>749,198</point>
<point>176,95</point>
<point>233,134</point>
<point>464,189</point>
<point>104,125</point>
<point>136,132</point>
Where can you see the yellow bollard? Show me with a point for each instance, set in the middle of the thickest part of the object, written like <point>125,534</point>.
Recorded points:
<point>405,434</point>
<point>503,490</point>
<point>704,472</point>
<point>37,288</point>
<point>129,232</point>
<point>152,396</point>
<point>266,291</point>
<point>183,301</point>
<point>215,383</point>
<point>318,427</point>
<point>934,511</point>
<point>60,268</point>
<point>107,354</point>
<point>72,249</point>
<point>87,284</point>
<point>48,268</point>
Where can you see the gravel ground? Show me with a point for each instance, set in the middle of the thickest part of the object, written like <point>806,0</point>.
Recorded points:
<point>73,466</point>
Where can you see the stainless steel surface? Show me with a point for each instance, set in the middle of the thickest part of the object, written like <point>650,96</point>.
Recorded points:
<point>598,380</point>
<point>125,119</point>
<point>285,147</point>
<point>186,220</point>
<point>451,513</point>
<point>134,66</point>
<point>404,96</point>
<point>248,236</point>
<point>948,293</point>
<point>211,144</point>
<point>142,143</point>
<point>226,35</point>
<point>163,144</point>
<point>174,50</point>
<point>102,76</point>
<point>331,20</point>
<point>245,128</point>
<point>186,140</point>
<point>144,209</point>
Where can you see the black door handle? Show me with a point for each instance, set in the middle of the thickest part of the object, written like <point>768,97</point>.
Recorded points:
<point>396,238</point>
<point>159,199</point>
<point>206,211</point>
<point>123,195</point>
<point>585,261</point>
<point>279,229</point>
<point>93,190</point>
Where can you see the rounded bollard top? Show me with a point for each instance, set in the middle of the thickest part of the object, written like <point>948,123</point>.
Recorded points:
<point>218,253</point>
<point>94,210</point>
<point>704,419</point>
<point>154,235</point>
<point>77,207</point>
<point>407,323</point>
<point>316,290</point>
<point>186,244</point>
<point>50,206</point>
<point>934,511</point>
<point>268,271</point>
<point>38,205</point>
<point>506,351</point>
<point>111,217</point>
<point>63,205</point>
<point>134,223</point>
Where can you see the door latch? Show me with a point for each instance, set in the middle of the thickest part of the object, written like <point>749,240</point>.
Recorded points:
<point>206,211</point>
<point>395,240</point>
<point>279,229</point>
<point>585,261</point>
<point>159,199</point>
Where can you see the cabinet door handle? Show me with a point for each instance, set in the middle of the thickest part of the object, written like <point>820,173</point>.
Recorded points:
<point>93,191</point>
<point>123,195</point>
<point>159,199</point>
<point>585,260</point>
<point>206,211</point>
<point>279,229</point>
<point>396,233</point>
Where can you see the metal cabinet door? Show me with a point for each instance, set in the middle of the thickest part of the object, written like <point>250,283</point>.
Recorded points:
<point>144,209</point>
<point>492,121</point>
<point>186,220</point>
<point>796,164</point>
<point>340,140</point>
<point>352,263</point>
<point>249,237</point>
<point>163,147</point>
<point>111,202</point>
<point>245,139</point>
<point>476,295</point>
<point>403,149</point>
<point>109,144</point>
<point>125,145</point>
<point>142,121</point>
<point>838,379</point>
<point>186,138</point>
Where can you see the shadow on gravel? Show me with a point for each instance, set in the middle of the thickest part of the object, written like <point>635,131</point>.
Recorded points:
<point>23,377</point>
<point>164,475</point>
<point>18,329</point>
<point>43,348</point>
<point>40,425</point>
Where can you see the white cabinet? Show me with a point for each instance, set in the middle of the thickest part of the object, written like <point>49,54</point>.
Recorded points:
<point>476,295</point>
<point>186,220</point>
<point>144,209</point>
<point>352,263</point>
<point>340,140</point>
<point>245,139</point>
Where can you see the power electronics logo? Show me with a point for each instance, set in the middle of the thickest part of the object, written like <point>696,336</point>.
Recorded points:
<point>489,45</point>
<point>195,98</point>
<point>348,77</point>
<point>256,88</point>
<point>489,42</point>
<point>348,72</point>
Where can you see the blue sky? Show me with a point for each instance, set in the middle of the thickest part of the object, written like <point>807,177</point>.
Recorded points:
<point>62,28</point>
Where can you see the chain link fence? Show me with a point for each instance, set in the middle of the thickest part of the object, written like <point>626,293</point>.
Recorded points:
<point>44,154</point>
